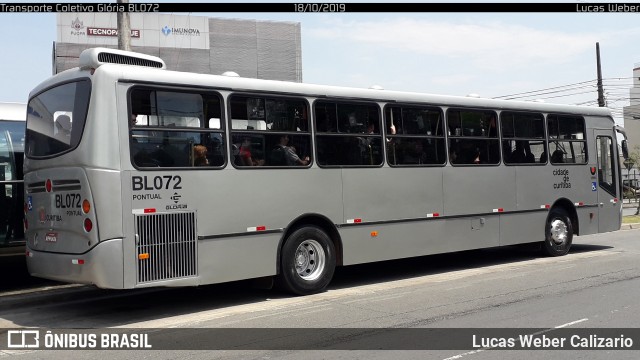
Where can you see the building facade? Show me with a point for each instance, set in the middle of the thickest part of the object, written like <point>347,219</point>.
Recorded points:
<point>632,112</point>
<point>632,121</point>
<point>251,48</point>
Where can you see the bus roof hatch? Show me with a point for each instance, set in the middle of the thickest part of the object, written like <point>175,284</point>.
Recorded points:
<point>94,57</point>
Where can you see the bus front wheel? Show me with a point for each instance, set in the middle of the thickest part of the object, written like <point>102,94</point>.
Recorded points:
<point>558,233</point>
<point>307,261</point>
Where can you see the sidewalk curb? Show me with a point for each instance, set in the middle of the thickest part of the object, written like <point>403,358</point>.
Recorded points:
<point>630,226</point>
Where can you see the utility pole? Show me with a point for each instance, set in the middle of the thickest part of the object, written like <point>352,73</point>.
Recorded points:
<point>600,89</point>
<point>124,29</point>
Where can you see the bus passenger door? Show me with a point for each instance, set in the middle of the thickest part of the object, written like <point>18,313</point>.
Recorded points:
<point>609,204</point>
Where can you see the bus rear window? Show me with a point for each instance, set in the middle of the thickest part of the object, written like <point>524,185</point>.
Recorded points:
<point>55,119</point>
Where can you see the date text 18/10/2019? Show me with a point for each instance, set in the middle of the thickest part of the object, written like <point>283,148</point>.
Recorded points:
<point>308,7</point>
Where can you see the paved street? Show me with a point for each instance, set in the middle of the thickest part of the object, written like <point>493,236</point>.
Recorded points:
<point>629,209</point>
<point>595,286</point>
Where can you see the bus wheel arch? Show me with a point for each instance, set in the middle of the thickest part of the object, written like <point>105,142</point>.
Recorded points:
<point>570,208</point>
<point>560,227</point>
<point>308,253</point>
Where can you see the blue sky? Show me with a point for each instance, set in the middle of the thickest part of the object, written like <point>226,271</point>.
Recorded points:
<point>490,54</point>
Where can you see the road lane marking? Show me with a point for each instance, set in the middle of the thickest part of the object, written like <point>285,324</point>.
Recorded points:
<point>466,354</point>
<point>455,357</point>
<point>16,352</point>
<point>287,303</point>
<point>379,298</point>
<point>571,323</point>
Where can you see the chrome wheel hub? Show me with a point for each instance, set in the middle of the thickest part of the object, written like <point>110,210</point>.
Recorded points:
<point>310,260</point>
<point>559,231</point>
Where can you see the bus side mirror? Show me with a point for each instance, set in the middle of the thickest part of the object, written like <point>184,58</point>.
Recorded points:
<point>625,149</point>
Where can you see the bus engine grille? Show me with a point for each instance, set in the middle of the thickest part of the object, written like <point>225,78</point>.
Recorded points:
<point>166,246</point>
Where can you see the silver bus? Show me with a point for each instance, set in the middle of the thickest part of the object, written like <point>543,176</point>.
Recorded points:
<point>12,128</point>
<point>137,176</point>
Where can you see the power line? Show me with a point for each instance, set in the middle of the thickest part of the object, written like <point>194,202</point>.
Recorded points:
<point>608,82</point>
<point>547,89</point>
<point>618,95</point>
<point>565,92</point>
<point>565,95</point>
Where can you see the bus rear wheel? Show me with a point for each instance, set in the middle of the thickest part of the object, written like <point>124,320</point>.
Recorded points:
<point>307,261</point>
<point>558,233</point>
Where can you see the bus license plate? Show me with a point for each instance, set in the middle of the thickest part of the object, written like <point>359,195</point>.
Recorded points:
<point>51,237</point>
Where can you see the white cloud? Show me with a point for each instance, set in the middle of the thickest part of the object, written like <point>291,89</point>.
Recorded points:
<point>453,79</point>
<point>487,45</point>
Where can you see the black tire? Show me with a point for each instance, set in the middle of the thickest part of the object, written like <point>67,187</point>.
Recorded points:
<point>307,261</point>
<point>558,233</point>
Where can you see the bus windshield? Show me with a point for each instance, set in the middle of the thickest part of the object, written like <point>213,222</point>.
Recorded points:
<point>55,119</point>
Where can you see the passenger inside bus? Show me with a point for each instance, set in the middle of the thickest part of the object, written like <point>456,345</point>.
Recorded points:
<point>453,157</point>
<point>244,156</point>
<point>517,155</point>
<point>476,157</point>
<point>522,153</point>
<point>557,157</point>
<point>133,119</point>
<point>492,132</point>
<point>200,155</point>
<point>543,157</point>
<point>354,126</point>
<point>468,153</point>
<point>416,154</point>
<point>528,155</point>
<point>284,155</point>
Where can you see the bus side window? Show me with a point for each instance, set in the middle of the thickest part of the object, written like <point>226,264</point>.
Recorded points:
<point>169,124</point>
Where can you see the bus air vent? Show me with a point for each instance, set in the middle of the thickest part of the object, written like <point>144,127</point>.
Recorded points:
<point>93,58</point>
<point>66,185</point>
<point>58,185</point>
<point>35,187</point>
<point>166,246</point>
